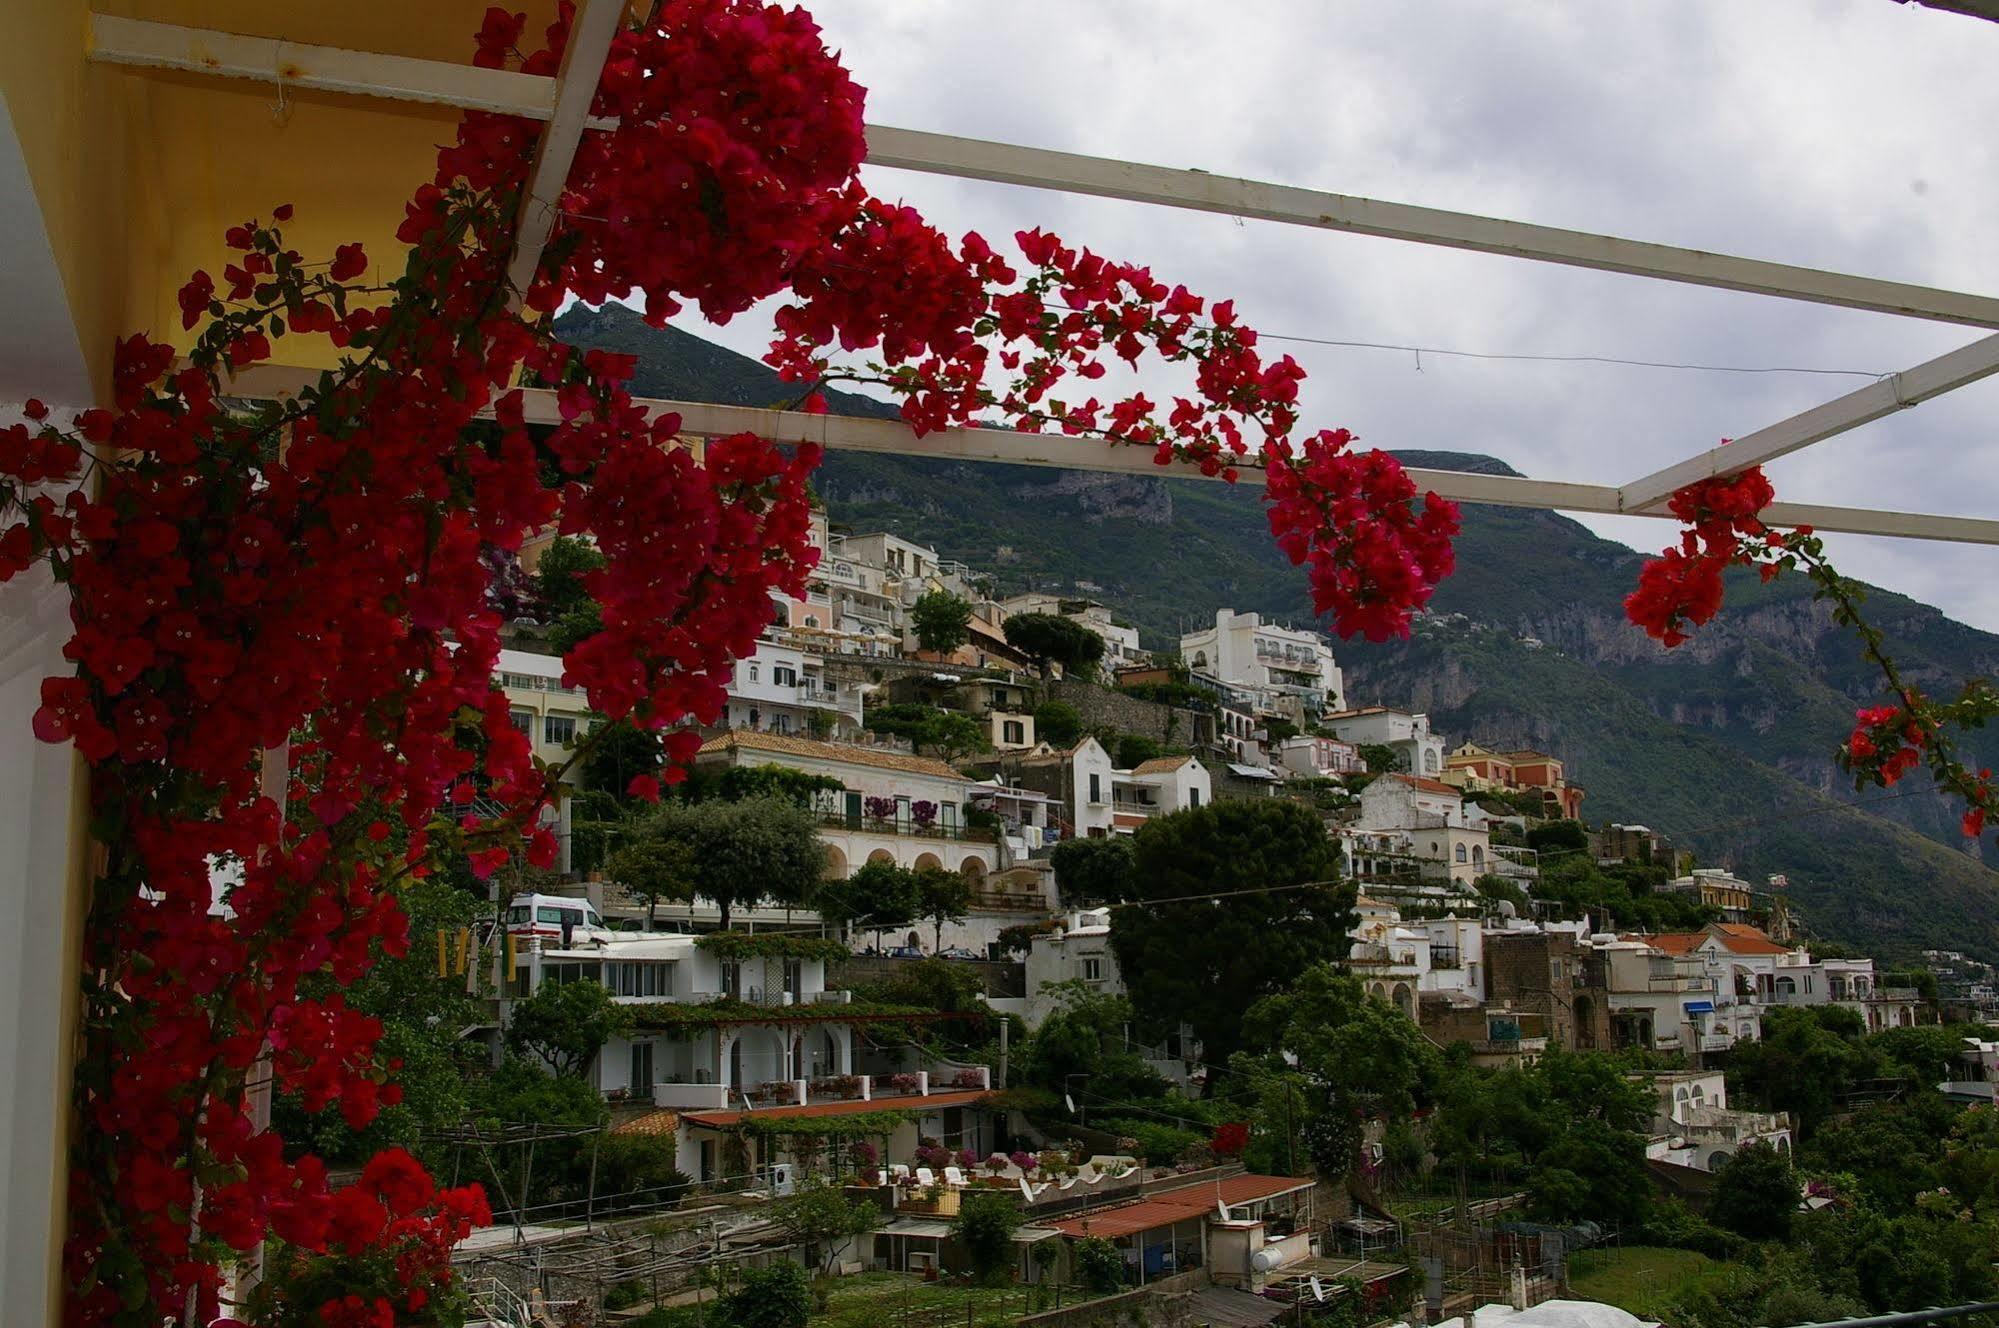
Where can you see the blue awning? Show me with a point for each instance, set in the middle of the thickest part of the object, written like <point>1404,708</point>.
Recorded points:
<point>1700,1007</point>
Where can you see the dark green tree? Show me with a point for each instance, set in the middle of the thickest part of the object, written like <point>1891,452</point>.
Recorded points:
<point>877,897</point>
<point>1098,1265</point>
<point>654,868</point>
<point>821,1217</point>
<point>984,1226</point>
<point>1058,724</point>
<point>1363,1057</point>
<point>779,1296</point>
<point>1382,759</point>
<point>620,751</point>
<point>942,621</point>
<point>1558,835</point>
<point>1798,1065</point>
<point>1755,1194</point>
<point>1230,902</point>
<point>941,896</point>
<point>746,853</point>
<point>559,573</point>
<point>1094,871</point>
<point>1048,640</point>
<point>566,1024</point>
<point>1610,1166</point>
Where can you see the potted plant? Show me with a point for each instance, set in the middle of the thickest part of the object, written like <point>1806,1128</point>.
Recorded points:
<point>879,810</point>
<point>923,814</point>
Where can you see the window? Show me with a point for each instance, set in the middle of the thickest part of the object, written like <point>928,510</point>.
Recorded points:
<point>794,977</point>
<point>548,915</point>
<point>1012,730</point>
<point>732,980</point>
<point>518,913</point>
<point>811,620</point>
<point>1193,797</point>
<point>784,675</point>
<point>558,729</point>
<point>523,720</point>
<point>1096,787</point>
<point>639,979</point>
<point>1461,854</point>
<point>1093,970</point>
<point>753,673</point>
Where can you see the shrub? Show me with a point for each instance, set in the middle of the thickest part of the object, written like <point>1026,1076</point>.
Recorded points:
<point>779,1296</point>
<point>1098,1265</point>
<point>985,1225</point>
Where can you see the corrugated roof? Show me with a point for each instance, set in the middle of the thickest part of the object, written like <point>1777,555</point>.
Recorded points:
<point>1160,765</point>
<point>1225,1307</point>
<point>928,1102</point>
<point>783,744</point>
<point>1163,1210</point>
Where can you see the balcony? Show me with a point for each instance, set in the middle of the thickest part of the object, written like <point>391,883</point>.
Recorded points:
<point>1677,984</point>
<point>1373,954</point>
<point>775,1093</point>
<point>838,820</point>
<point>1716,1042</point>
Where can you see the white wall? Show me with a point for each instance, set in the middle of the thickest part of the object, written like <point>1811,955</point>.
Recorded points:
<point>40,940</point>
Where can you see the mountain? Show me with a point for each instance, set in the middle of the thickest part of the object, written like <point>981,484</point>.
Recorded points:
<point>1725,743</point>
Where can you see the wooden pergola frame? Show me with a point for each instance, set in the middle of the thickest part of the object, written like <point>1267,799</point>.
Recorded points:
<point>563,104</point>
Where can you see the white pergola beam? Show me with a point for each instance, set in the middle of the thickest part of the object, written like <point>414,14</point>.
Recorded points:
<point>590,34</point>
<point>890,437</point>
<point>146,45</point>
<point>166,46</point>
<point>1966,364</point>
<point>1200,191</point>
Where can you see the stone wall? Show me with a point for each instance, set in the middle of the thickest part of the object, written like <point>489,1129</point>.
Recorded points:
<point>1102,707</point>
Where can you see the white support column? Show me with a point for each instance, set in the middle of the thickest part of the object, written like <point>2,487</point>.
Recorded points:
<point>1005,446</point>
<point>141,44</point>
<point>1201,191</point>
<point>590,34</point>
<point>1966,364</point>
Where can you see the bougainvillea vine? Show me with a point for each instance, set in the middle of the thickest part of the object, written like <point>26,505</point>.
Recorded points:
<point>1682,589</point>
<point>316,578</point>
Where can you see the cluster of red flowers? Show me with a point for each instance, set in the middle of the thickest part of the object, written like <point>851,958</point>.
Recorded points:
<point>1682,587</point>
<point>1887,743</point>
<point>944,321</point>
<point>312,583</point>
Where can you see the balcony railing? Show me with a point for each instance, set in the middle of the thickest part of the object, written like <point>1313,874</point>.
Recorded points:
<point>1894,994</point>
<point>870,825</point>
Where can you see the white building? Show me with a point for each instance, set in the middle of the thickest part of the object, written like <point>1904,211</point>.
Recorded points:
<point>1422,751</point>
<point>1304,754</point>
<point>1400,959</point>
<point>785,690</point>
<point>1693,1125</point>
<point>1100,799</point>
<point>1429,819</point>
<point>731,1026</point>
<point>1079,950</point>
<point>1244,651</point>
<point>893,806</point>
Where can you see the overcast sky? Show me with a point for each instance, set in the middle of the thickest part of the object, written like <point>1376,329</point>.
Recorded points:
<point>1855,135</point>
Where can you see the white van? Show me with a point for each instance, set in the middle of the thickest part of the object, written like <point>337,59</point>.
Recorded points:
<point>549,916</point>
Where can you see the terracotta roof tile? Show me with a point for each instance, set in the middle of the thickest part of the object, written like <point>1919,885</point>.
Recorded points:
<point>653,1122</point>
<point>1160,765</point>
<point>783,744</point>
<point>1428,785</point>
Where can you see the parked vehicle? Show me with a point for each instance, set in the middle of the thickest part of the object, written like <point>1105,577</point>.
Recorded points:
<point>959,952</point>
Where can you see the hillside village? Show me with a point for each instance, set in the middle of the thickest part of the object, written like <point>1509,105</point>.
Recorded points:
<point>951,994</point>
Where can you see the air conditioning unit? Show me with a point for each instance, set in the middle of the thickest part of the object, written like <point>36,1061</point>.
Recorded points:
<point>921,1261</point>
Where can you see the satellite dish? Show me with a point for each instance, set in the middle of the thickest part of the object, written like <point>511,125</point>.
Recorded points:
<point>1070,1103</point>
<point>1318,1291</point>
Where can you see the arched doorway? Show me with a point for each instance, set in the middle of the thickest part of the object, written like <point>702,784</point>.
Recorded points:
<point>836,864</point>
<point>1585,1009</point>
<point>1404,1001</point>
<point>929,860</point>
